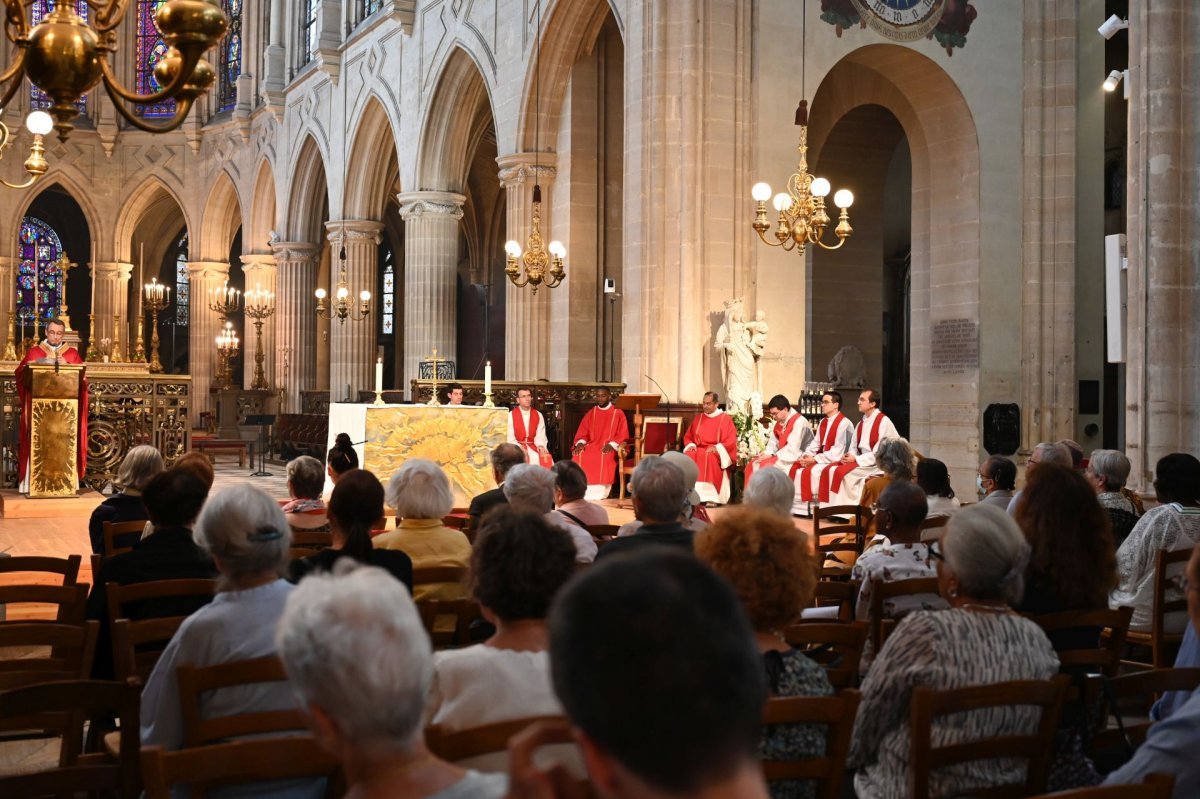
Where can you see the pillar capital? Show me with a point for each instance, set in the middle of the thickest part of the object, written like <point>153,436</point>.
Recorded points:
<point>348,230</point>
<point>431,203</point>
<point>256,260</point>
<point>208,270</point>
<point>295,251</point>
<point>517,168</point>
<point>112,270</point>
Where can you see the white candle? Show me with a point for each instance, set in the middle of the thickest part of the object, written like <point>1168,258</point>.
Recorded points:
<point>92,309</point>
<point>379,376</point>
<point>487,378</point>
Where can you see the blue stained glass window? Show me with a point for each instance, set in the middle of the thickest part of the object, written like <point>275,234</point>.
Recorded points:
<point>38,10</point>
<point>149,49</point>
<point>40,251</point>
<point>181,282</point>
<point>230,66</point>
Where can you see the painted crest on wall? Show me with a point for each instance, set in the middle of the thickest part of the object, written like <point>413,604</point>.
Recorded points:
<point>947,21</point>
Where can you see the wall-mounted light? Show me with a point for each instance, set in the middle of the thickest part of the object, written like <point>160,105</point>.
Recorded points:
<point>1113,80</point>
<point>1111,25</point>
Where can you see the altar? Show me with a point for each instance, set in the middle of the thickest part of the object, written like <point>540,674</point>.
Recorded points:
<point>459,438</point>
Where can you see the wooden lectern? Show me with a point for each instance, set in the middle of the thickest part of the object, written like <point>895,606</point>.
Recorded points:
<point>54,428</point>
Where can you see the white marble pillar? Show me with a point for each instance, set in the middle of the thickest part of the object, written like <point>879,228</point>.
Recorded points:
<point>295,320</point>
<point>112,298</point>
<point>352,342</point>
<point>431,237</point>
<point>527,315</point>
<point>203,326</point>
<point>260,272</point>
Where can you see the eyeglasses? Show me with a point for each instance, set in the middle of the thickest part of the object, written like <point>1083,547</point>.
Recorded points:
<point>935,551</point>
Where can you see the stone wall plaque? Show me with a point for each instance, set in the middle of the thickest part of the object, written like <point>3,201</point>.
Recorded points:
<point>955,345</point>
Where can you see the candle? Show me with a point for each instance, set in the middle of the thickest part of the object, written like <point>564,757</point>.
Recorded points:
<point>36,309</point>
<point>487,378</point>
<point>92,306</point>
<point>379,376</point>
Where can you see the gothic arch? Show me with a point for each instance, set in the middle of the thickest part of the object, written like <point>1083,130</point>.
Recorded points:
<point>71,187</point>
<point>309,194</point>
<point>140,203</point>
<point>461,96</point>
<point>374,143</point>
<point>260,222</point>
<point>221,220</point>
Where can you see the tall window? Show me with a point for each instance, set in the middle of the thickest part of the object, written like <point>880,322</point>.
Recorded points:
<point>231,57</point>
<point>387,293</point>
<point>38,11</point>
<point>182,284</point>
<point>308,30</point>
<point>368,7</point>
<point>149,49</point>
<point>40,251</point>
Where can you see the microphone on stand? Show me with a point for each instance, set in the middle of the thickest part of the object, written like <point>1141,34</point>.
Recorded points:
<point>664,393</point>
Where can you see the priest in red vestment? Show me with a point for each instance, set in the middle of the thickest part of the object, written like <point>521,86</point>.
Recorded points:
<point>49,351</point>
<point>602,431</point>
<point>821,459</point>
<point>527,429</point>
<point>848,480</point>
<point>711,441</point>
<point>788,440</point>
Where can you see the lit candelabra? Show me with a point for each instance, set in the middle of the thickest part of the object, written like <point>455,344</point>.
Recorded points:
<point>342,307</point>
<point>227,350</point>
<point>224,301</point>
<point>157,298</point>
<point>260,306</point>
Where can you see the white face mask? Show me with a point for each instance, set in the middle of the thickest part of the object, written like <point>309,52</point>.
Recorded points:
<point>979,484</point>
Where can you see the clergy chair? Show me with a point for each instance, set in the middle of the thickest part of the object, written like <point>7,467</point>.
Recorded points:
<point>658,436</point>
<point>42,570</point>
<point>195,680</point>
<point>836,646</point>
<point>120,537</point>
<point>1035,745</point>
<point>882,590</point>
<point>239,762</point>
<point>1155,786</point>
<point>1163,645</point>
<point>1128,700</point>
<point>836,714</point>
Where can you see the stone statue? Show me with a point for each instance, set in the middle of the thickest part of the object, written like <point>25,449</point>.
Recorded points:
<point>741,344</point>
<point>848,369</point>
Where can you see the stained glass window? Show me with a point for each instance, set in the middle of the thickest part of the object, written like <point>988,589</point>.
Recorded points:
<point>387,297</point>
<point>40,251</point>
<point>148,50</point>
<point>38,11</point>
<point>368,7</point>
<point>182,296</point>
<point>230,66</point>
<point>308,30</point>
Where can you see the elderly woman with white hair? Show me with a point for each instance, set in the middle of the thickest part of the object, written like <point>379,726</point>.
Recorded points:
<point>140,465</point>
<point>305,509</point>
<point>420,493</point>
<point>247,536</point>
<point>979,640</point>
<point>530,487</point>
<point>771,490</point>
<point>360,662</point>
<point>1106,472</point>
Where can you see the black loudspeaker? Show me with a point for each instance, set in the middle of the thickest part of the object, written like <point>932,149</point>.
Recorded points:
<point>1002,428</point>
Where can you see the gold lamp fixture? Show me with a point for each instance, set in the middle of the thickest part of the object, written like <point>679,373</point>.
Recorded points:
<point>342,307</point>
<point>802,216</point>
<point>39,124</point>
<point>65,56</point>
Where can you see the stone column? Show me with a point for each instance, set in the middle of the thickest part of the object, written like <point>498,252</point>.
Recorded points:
<point>431,236</point>
<point>1163,347</point>
<point>352,343</point>
<point>527,315</point>
<point>203,327</point>
<point>295,320</point>
<point>112,297</point>
<point>260,272</point>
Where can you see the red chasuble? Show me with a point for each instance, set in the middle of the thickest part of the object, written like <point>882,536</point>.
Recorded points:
<point>527,439</point>
<point>69,355</point>
<point>844,469</point>
<point>781,433</point>
<point>706,432</point>
<point>599,427</point>
<point>827,436</point>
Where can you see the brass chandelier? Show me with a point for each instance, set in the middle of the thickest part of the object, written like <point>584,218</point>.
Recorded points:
<point>802,217</point>
<point>342,308</point>
<point>39,124</point>
<point>65,56</point>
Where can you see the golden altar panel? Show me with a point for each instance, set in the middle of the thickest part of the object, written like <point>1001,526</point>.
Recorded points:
<point>459,439</point>
<point>54,429</point>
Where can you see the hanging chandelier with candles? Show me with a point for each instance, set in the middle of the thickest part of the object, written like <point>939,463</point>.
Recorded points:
<point>803,219</point>
<point>342,307</point>
<point>537,265</point>
<point>66,55</point>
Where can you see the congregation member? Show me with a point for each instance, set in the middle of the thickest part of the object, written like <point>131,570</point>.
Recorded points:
<point>934,478</point>
<point>789,438</point>
<point>1044,452</point>
<point>355,509</point>
<point>1107,471</point>
<point>527,429</point>
<point>199,466</point>
<point>773,491</point>
<point>247,536</point>
<point>694,515</point>
<point>360,662</point>
<point>503,458</point>
<point>655,631</point>
<point>305,509</point>
<point>773,573</point>
<point>139,466</point>
<point>173,499</point>
<point>454,394</point>
<point>1173,525</point>
<point>834,436</point>
<point>518,565</point>
<point>341,458</point>
<point>659,494</point>
<point>996,481</point>
<point>893,463</point>
<point>711,442</point>
<point>530,488</point>
<point>978,640</point>
<point>597,443</point>
<point>1075,449</point>
<point>570,484</point>
<point>420,494</point>
<point>858,464</point>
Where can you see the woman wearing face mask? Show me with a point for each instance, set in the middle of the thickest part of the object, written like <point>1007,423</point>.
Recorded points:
<point>996,480</point>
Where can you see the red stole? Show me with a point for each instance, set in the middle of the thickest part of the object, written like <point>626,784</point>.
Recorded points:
<point>827,436</point>
<point>827,431</point>
<point>780,432</point>
<point>844,469</point>
<point>526,439</point>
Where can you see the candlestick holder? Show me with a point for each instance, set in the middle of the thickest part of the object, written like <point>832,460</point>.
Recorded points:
<point>93,354</point>
<point>115,356</point>
<point>139,346</point>
<point>64,267</point>
<point>227,350</point>
<point>156,298</point>
<point>10,352</point>
<point>487,400</point>
<point>433,400</point>
<point>260,306</point>
<point>224,301</point>
<point>378,398</point>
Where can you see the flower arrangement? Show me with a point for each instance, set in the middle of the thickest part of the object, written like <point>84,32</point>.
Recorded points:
<point>751,435</point>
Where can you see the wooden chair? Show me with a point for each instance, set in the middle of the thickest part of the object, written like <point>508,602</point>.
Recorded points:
<point>658,435</point>
<point>1142,686</point>
<point>837,646</point>
<point>455,522</point>
<point>464,612</point>
<point>932,528</point>
<point>138,643</point>
<point>1156,786</point>
<point>66,603</point>
<point>129,534</point>
<point>312,539</point>
<point>1036,746</point>
<point>1104,658</point>
<point>46,569</point>
<point>1168,571</point>
<point>603,533</point>
<point>59,708</point>
<point>51,651</point>
<point>289,757</point>
<point>825,524</point>
<point>194,681</point>
<point>308,522</point>
<point>476,741</point>
<point>296,553</point>
<point>439,574</point>
<point>837,713</point>
<point>842,594</point>
<point>882,590</point>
